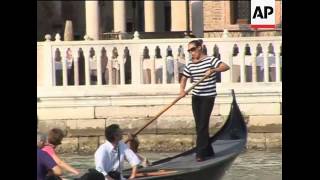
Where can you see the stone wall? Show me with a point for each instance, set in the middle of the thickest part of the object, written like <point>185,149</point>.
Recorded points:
<point>165,143</point>
<point>84,118</point>
<point>166,134</point>
<point>85,135</point>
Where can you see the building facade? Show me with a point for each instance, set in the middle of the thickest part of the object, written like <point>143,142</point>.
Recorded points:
<point>98,18</point>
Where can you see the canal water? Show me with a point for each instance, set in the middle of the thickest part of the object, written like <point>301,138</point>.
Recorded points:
<point>249,165</point>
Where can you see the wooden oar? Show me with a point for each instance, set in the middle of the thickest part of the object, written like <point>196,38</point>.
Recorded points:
<point>167,107</point>
<point>157,173</point>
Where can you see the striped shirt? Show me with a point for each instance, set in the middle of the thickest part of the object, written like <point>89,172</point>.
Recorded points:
<point>197,70</point>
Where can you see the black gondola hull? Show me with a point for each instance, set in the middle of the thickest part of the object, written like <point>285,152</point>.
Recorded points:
<point>227,143</point>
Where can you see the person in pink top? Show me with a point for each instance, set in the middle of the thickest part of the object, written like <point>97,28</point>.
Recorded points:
<point>55,137</point>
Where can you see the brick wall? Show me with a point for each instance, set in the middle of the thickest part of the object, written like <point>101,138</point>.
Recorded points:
<point>213,15</point>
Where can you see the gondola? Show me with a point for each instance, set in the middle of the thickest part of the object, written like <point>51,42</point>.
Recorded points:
<point>227,143</point>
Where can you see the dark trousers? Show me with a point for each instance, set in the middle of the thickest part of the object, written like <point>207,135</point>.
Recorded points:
<point>202,107</point>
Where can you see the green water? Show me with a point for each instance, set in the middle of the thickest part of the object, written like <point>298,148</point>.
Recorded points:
<point>250,165</point>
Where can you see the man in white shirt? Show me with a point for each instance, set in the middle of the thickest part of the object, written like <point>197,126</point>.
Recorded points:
<point>107,157</point>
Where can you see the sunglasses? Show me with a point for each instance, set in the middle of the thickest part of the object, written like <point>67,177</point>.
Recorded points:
<point>192,49</point>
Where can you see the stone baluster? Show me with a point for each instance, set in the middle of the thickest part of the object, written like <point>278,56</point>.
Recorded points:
<point>110,69</point>
<point>176,69</point>
<point>164,68</point>
<point>75,65</point>
<point>99,70</point>
<point>254,62</point>
<point>64,68</point>
<point>278,66</point>
<point>153,68</point>
<point>265,63</point>
<point>87,66</point>
<point>242,63</point>
<point>141,65</point>
<point>121,61</point>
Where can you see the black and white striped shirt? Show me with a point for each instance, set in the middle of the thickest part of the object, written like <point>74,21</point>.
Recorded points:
<point>197,70</point>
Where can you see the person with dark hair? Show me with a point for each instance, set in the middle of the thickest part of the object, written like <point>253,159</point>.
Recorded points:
<point>45,164</point>
<point>109,157</point>
<point>55,137</point>
<point>41,140</point>
<point>203,95</point>
<point>133,144</point>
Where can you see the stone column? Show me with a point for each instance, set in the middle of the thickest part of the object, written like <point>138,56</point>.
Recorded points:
<point>278,12</point>
<point>227,12</point>
<point>92,19</point>
<point>149,16</point>
<point>178,15</point>
<point>160,17</point>
<point>197,18</point>
<point>119,16</point>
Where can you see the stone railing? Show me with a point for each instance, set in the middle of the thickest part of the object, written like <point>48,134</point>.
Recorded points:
<point>143,61</point>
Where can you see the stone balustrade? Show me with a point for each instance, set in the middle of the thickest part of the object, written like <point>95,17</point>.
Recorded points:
<point>153,61</point>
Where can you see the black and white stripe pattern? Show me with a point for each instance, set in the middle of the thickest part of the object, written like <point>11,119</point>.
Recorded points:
<point>197,70</point>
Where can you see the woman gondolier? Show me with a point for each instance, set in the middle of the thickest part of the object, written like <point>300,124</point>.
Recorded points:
<point>203,95</point>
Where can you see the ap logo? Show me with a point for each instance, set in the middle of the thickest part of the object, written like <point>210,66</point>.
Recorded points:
<point>263,14</point>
